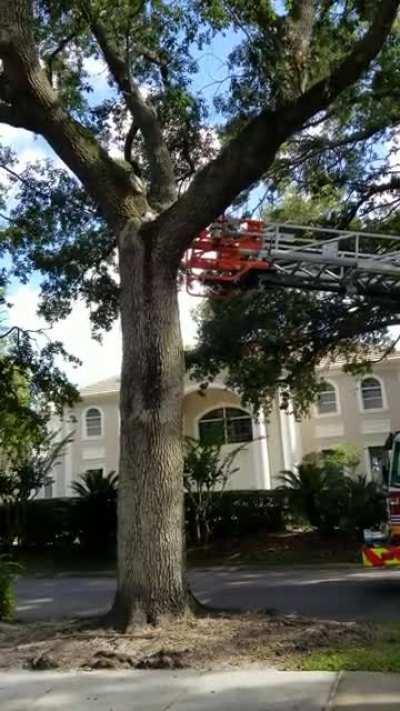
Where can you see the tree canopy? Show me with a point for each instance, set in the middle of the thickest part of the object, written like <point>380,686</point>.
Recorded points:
<point>158,122</point>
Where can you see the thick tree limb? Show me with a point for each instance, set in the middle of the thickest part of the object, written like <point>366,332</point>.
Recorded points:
<point>392,185</point>
<point>300,24</point>
<point>162,189</point>
<point>9,116</point>
<point>245,159</point>
<point>35,106</point>
<point>50,59</point>
<point>130,137</point>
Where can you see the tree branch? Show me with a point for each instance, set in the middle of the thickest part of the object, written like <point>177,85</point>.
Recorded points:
<point>50,59</point>
<point>162,189</point>
<point>300,23</point>
<point>35,106</point>
<point>11,117</point>
<point>245,158</point>
<point>130,137</point>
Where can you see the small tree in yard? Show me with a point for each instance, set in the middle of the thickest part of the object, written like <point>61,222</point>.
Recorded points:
<point>344,458</point>
<point>206,470</point>
<point>290,64</point>
<point>25,471</point>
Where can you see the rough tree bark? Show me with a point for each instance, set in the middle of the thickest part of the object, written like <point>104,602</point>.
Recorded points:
<point>154,228</point>
<point>150,509</point>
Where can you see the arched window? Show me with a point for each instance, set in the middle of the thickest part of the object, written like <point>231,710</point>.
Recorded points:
<point>327,399</point>
<point>227,425</point>
<point>93,422</point>
<point>371,394</point>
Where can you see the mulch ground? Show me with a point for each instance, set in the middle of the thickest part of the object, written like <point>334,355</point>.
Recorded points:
<point>292,546</point>
<point>211,642</point>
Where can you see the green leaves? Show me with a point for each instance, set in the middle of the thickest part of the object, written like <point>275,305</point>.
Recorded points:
<point>93,484</point>
<point>321,492</point>
<point>271,339</point>
<point>27,466</point>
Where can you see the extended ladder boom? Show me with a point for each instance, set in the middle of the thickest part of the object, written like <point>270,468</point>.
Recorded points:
<point>242,253</point>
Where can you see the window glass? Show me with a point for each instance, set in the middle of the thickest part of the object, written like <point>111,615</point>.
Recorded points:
<point>226,425</point>
<point>93,422</point>
<point>327,400</point>
<point>212,431</point>
<point>214,415</point>
<point>93,472</point>
<point>377,461</point>
<point>371,393</point>
<point>239,430</point>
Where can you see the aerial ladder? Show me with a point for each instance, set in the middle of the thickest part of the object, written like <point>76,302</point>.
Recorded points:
<point>234,255</point>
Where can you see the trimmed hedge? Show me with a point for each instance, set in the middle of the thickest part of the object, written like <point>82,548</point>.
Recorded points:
<point>239,513</point>
<point>63,521</point>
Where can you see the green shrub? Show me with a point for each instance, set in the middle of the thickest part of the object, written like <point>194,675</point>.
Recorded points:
<point>8,571</point>
<point>239,513</point>
<point>95,512</point>
<point>316,495</point>
<point>329,500</point>
<point>48,522</point>
<point>91,522</point>
<point>366,504</point>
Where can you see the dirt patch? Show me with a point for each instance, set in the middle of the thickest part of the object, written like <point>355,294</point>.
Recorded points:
<point>214,642</point>
<point>287,547</point>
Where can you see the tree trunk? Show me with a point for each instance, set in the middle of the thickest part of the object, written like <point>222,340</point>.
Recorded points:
<point>150,502</point>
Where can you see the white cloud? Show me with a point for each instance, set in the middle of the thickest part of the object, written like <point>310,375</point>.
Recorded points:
<point>99,360</point>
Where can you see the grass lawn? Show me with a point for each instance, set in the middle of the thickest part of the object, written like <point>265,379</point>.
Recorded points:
<point>381,653</point>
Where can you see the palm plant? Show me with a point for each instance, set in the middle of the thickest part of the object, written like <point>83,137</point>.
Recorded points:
<point>366,505</point>
<point>96,509</point>
<point>94,484</point>
<point>316,494</point>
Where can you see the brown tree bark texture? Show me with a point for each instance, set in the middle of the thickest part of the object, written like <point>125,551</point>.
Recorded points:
<point>150,509</point>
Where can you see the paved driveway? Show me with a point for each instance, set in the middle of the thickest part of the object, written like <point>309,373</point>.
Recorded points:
<point>342,593</point>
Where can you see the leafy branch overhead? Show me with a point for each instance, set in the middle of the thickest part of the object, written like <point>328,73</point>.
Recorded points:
<point>150,53</point>
<point>282,68</point>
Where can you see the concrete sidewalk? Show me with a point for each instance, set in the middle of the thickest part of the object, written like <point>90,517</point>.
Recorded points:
<point>261,690</point>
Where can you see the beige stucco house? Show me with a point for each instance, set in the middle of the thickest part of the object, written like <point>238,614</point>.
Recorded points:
<point>360,411</point>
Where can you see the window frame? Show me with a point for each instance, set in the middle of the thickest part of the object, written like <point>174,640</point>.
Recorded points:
<point>101,469</point>
<point>337,410</point>
<point>85,434</point>
<point>224,419</point>
<point>367,410</point>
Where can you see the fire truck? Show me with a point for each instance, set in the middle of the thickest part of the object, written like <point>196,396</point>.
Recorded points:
<point>235,255</point>
<point>382,548</point>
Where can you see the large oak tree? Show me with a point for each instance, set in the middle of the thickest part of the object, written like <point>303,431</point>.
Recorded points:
<point>290,61</point>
